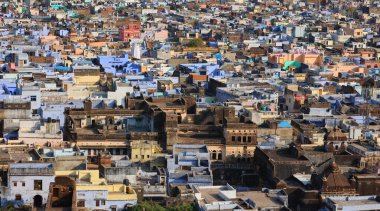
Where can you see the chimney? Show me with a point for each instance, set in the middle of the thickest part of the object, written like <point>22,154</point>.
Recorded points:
<point>87,105</point>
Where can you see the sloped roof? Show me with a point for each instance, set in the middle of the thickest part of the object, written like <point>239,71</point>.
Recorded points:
<point>336,135</point>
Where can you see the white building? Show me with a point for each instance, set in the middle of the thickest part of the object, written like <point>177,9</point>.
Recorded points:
<point>28,183</point>
<point>228,198</point>
<point>33,93</point>
<point>353,203</point>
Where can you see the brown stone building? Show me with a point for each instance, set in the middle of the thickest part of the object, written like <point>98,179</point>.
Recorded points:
<point>333,182</point>
<point>276,165</point>
<point>366,184</point>
<point>62,194</point>
<point>336,141</point>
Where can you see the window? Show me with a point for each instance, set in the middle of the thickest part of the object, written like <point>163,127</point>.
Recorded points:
<point>213,155</point>
<point>33,98</point>
<point>37,184</point>
<point>220,156</point>
<point>233,138</point>
<point>97,203</point>
<point>80,203</point>
<point>147,156</point>
<point>239,138</point>
<point>137,156</point>
<point>15,184</point>
<point>103,202</point>
<point>249,139</point>
<point>244,139</point>
<point>55,192</point>
<point>18,197</point>
<point>23,184</point>
<point>142,156</point>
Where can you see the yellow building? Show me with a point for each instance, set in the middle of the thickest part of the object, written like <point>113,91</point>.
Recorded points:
<point>142,150</point>
<point>86,81</point>
<point>93,192</point>
<point>86,75</point>
<point>300,77</point>
<point>232,153</point>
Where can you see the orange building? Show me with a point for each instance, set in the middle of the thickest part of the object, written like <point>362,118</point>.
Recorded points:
<point>309,58</point>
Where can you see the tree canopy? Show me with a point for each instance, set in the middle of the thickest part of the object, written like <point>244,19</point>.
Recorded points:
<point>197,42</point>
<point>154,206</point>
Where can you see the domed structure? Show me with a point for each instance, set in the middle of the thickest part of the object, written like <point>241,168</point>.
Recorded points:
<point>336,183</point>
<point>336,141</point>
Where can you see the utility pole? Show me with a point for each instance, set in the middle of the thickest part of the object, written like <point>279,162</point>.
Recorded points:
<point>367,91</point>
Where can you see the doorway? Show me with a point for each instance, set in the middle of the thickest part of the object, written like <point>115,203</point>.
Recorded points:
<point>37,201</point>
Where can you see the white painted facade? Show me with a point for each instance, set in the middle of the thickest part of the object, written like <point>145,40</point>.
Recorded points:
<point>28,184</point>
<point>28,192</point>
<point>97,200</point>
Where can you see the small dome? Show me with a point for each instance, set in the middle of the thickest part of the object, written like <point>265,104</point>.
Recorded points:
<point>334,167</point>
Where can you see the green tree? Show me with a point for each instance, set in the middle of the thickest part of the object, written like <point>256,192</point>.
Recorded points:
<point>148,206</point>
<point>273,22</point>
<point>182,207</point>
<point>82,17</point>
<point>197,42</point>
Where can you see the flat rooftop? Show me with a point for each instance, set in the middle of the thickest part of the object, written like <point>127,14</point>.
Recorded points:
<point>260,198</point>
<point>362,201</point>
<point>31,165</point>
<point>211,195</point>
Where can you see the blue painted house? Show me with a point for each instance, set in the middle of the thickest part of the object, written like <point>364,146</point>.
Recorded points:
<point>118,65</point>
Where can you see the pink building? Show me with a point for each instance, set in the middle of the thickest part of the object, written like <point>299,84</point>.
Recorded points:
<point>161,35</point>
<point>130,30</point>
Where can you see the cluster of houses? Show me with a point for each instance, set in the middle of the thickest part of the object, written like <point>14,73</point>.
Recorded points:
<point>220,105</point>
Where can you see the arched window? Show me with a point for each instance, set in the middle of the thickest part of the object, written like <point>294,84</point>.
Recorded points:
<point>213,155</point>
<point>244,139</point>
<point>239,138</point>
<point>220,155</point>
